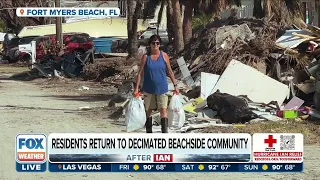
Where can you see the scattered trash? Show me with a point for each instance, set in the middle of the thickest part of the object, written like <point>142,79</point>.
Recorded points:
<point>287,114</point>
<point>85,108</point>
<point>208,82</point>
<point>191,105</point>
<point>314,113</point>
<point>294,104</point>
<point>228,34</point>
<point>230,109</point>
<point>291,38</point>
<point>185,72</point>
<point>207,114</point>
<point>4,62</point>
<point>83,88</point>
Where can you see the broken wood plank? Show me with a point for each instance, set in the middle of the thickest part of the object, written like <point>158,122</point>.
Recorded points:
<point>287,49</point>
<point>185,72</point>
<point>208,119</point>
<point>313,29</point>
<point>304,36</point>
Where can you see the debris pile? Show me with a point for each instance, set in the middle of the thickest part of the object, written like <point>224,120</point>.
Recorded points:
<point>248,40</point>
<point>102,69</point>
<point>230,99</point>
<point>222,84</point>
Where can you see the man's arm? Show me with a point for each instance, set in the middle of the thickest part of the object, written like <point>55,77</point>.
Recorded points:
<point>139,75</point>
<point>170,72</point>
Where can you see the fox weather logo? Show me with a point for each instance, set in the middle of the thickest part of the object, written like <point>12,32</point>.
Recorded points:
<point>31,152</point>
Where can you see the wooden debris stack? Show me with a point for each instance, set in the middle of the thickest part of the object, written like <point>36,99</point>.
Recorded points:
<point>202,52</point>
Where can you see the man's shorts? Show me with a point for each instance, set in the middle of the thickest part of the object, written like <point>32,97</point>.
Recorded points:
<point>155,102</point>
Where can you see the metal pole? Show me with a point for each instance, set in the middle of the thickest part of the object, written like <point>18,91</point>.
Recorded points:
<point>58,26</point>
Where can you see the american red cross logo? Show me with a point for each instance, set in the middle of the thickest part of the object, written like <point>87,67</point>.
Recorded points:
<point>270,141</point>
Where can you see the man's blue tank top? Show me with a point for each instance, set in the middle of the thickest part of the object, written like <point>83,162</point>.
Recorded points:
<point>155,76</point>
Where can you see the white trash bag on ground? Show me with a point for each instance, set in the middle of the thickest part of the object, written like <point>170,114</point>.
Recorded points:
<point>135,115</point>
<point>176,114</point>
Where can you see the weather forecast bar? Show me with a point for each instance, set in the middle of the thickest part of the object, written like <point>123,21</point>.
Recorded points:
<point>176,167</point>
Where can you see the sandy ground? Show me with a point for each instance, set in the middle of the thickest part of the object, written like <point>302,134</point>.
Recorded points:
<point>46,110</point>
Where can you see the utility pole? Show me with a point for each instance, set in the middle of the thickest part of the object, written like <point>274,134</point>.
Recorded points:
<point>59,26</point>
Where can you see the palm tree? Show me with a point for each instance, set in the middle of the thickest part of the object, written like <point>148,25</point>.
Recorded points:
<point>174,25</point>
<point>257,9</point>
<point>134,8</point>
<point>267,8</point>
<point>207,7</point>
<point>187,20</point>
<point>277,8</point>
<point>130,11</point>
<point>178,33</point>
<point>170,25</point>
<point>182,37</point>
<point>287,11</point>
<point>216,6</point>
<point>294,8</point>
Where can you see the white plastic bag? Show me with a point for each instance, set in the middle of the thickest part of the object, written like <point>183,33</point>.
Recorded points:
<point>176,114</point>
<point>135,114</point>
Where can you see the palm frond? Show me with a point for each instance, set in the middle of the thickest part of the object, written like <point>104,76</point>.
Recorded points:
<point>294,7</point>
<point>216,6</point>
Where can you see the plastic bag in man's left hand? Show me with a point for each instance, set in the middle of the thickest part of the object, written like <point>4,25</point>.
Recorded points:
<point>176,114</point>
<point>135,114</point>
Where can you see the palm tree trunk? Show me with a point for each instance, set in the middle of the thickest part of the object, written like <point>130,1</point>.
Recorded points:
<point>133,8</point>
<point>257,9</point>
<point>267,8</point>
<point>170,26</point>
<point>178,33</point>
<point>160,15</point>
<point>318,10</point>
<point>136,16</point>
<point>196,9</point>
<point>187,21</point>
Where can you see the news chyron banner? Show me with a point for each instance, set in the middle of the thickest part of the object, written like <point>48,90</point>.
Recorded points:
<point>144,152</point>
<point>138,152</point>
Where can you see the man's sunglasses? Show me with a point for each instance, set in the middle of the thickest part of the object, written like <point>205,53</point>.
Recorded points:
<point>155,43</point>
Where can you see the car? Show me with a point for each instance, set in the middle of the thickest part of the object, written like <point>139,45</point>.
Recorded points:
<point>144,38</point>
<point>76,43</point>
<point>121,45</point>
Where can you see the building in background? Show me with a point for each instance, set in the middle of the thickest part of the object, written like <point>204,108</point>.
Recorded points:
<point>121,4</point>
<point>74,3</point>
